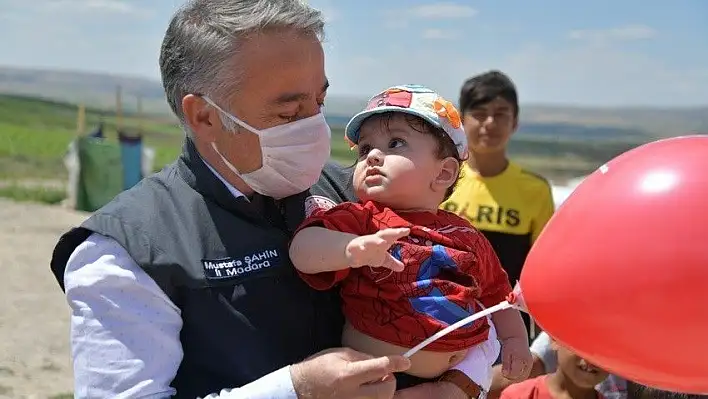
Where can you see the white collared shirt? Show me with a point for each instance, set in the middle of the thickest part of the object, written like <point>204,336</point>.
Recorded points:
<point>125,331</point>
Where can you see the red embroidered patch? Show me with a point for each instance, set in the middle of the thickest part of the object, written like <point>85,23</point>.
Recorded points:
<point>394,98</point>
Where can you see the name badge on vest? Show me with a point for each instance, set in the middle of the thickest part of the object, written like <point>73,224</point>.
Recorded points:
<point>245,267</point>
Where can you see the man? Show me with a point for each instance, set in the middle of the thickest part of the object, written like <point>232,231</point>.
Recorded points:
<point>181,286</point>
<point>509,204</point>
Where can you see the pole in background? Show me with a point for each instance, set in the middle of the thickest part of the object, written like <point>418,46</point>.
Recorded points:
<point>140,114</point>
<point>119,109</point>
<point>81,120</point>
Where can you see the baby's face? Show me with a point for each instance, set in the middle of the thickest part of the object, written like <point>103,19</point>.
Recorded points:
<point>397,163</point>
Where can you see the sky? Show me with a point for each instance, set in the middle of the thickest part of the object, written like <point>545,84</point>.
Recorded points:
<point>597,53</point>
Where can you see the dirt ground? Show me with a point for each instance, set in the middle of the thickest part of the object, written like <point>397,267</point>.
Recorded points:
<point>34,317</point>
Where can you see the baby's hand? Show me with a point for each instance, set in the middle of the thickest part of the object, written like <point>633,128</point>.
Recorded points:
<point>516,359</point>
<point>372,250</point>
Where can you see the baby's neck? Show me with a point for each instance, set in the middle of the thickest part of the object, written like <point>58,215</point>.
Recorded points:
<point>432,207</point>
<point>562,387</point>
<point>417,209</point>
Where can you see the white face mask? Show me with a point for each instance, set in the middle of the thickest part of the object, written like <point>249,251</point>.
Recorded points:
<point>293,155</point>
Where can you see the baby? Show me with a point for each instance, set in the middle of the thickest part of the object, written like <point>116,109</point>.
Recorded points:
<point>407,269</point>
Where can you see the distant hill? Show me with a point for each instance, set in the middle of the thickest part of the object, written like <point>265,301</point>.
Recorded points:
<point>99,90</point>
<point>553,131</point>
<point>656,121</point>
<point>560,131</point>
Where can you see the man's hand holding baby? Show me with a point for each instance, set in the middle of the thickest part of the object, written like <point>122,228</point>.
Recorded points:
<point>373,249</point>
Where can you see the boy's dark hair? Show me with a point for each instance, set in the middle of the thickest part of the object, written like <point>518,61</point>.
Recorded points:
<point>637,391</point>
<point>446,147</point>
<point>484,88</point>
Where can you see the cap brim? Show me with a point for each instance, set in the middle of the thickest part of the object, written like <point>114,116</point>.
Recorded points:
<point>351,131</point>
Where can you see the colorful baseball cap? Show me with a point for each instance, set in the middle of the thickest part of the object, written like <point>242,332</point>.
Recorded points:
<point>415,100</point>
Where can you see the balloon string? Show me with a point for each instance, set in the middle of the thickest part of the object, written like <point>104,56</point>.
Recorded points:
<point>501,306</point>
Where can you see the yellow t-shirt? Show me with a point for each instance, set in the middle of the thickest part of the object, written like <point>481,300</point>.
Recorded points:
<point>510,209</point>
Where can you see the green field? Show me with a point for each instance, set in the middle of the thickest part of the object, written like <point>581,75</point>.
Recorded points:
<point>34,135</point>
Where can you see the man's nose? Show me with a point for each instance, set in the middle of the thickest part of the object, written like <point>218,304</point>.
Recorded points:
<point>375,157</point>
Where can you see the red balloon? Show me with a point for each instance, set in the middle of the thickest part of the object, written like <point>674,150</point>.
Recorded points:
<point>620,273</point>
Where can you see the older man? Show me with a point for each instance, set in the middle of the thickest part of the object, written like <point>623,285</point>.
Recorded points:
<point>181,286</point>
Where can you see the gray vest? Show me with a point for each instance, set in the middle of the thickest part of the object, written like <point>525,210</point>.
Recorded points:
<point>224,262</point>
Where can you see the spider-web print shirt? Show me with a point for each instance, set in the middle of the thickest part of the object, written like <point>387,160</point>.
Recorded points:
<point>450,268</point>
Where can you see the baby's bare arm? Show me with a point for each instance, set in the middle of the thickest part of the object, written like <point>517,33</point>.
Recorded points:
<point>516,355</point>
<point>510,325</point>
<point>317,249</point>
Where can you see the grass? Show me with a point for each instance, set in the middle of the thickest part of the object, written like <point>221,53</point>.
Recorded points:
<point>22,193</point>
<point>35,134</point>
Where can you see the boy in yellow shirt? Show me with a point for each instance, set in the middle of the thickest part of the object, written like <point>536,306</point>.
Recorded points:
<point>508,204</point>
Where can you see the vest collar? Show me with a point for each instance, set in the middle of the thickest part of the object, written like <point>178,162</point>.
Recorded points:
<point>288,212</point>
<point>197,174</point>
<point>233,190</point>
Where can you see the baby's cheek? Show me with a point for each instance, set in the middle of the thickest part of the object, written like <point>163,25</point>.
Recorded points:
<point>358,178</point>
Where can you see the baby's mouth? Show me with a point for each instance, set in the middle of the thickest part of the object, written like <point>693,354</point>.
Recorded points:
<point>373,172</point>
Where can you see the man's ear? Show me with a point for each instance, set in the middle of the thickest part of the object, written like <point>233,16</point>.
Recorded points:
<point>447,175</point>
<point>200,117</point>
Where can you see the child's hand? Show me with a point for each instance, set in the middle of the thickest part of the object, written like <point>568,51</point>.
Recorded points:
<point>372,250</point>
<point>516,359</point>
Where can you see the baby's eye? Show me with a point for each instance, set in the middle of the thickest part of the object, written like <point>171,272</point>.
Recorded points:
<point>364,150</point>
<point>394,143</point>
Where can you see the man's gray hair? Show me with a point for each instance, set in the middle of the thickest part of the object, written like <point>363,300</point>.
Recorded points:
<point>204,36</point>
